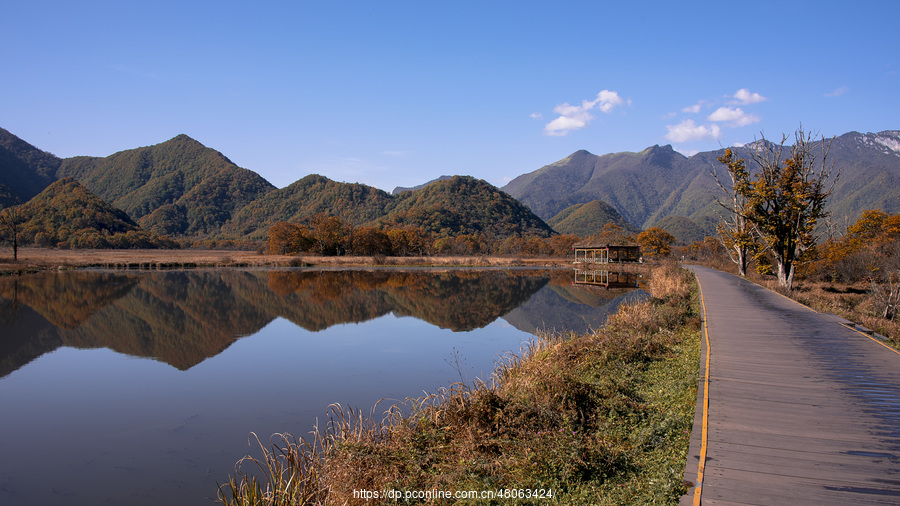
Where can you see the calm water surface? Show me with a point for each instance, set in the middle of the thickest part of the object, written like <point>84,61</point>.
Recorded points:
<point>142,388</point>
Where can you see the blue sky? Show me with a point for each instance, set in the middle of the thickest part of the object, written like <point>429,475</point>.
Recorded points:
<point>394,93</point>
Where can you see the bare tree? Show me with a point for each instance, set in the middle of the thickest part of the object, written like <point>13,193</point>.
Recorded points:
<point>735,232</point>
<point>785,197</point>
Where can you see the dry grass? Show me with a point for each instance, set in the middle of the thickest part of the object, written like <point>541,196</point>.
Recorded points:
<point>669,281</point>
<point>42,258</point>
<point>599,417</point>
<point>853,301</point>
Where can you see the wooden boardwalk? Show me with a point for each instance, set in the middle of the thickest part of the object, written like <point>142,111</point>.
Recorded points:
<point>801,409</point>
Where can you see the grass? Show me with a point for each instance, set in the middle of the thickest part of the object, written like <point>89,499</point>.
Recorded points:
<point>599,418</point>
<point>35,259</point>
<point>853,301</point>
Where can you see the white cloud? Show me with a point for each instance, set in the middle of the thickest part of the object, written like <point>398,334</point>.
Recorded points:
<point>735,117</point>
<point>536,115</point>
<point>607,100</point>
<point>694,109</point>
<point>574,117</point>
<point>687,130</point>
<point>838,92</point>
<point>744,97</point>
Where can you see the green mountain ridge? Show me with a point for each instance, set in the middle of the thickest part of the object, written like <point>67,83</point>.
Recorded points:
<point>658,182</point>
<point>588,219</point>
<point>400,189</point>
<point>353,203</point>
<point>24,169</point>
<point>179,187</point>
<point>67,214</point>
<point>182,189</point>
<point>464,205</point>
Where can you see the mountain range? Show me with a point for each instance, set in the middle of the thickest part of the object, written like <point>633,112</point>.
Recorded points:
<point>658,183</point>
<point>182,189</point>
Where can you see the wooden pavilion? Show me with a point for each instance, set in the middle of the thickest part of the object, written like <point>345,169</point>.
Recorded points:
<point>606,253</point>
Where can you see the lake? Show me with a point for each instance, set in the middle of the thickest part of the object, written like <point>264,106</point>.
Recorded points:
<point>135,387</point>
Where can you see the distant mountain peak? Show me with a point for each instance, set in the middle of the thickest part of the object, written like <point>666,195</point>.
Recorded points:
<point>648,186</point>
<point>887,141</point>
<point>401,189</point>
<point>185,140</point>
<point>656,147</point>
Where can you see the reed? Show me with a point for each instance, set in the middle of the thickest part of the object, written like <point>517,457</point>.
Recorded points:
<point>602,417</point>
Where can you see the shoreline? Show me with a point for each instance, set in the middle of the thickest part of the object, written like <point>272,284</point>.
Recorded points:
<point>602,417</point>
<point>42,259</point>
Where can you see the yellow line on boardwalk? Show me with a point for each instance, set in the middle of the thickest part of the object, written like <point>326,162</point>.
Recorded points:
<point>702,465</point>
<point>895,350</point>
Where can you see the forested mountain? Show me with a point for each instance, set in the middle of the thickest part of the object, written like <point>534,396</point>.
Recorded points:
<point>68,215</point>
<point>464,205</point>
<point>657,182</point>
<point>450,207</point>
<point>588,219</point>
<point>685,230</point>
<point>24,169</point>
<point>184,190</point>
<point>635,184</point>
<point>179,187</point>
<point>353,203</point>
<point>400,189</point>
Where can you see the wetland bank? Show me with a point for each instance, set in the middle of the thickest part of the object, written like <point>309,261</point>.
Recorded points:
<point>144,386</point>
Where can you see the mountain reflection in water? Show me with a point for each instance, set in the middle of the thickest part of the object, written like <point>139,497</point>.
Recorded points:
<point>185,317</point>
<point>249,350</point>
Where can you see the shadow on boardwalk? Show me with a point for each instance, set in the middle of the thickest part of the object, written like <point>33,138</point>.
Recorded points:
<point>801,410</point>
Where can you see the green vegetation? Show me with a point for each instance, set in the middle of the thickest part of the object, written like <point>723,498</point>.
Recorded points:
<point>657,182</point>
<point>24,169</point>
<point>459,215</point>
<point>683,230</point>
<point>179,187</point>
<point>464,205</point>
<point>588,218</point>
<point>66,215</point>
<point>352,203</point>
<point>601,418</point>
<point>196,196</point>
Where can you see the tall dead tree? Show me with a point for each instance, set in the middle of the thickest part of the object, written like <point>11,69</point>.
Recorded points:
<point>734,232</point>
<point>785,193</point>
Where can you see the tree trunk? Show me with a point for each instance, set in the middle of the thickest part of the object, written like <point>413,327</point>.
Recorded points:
<point>742,261</point>
<point>785,274</point>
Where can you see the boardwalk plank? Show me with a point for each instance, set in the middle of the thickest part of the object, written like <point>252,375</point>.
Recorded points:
<point>802,410</point>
